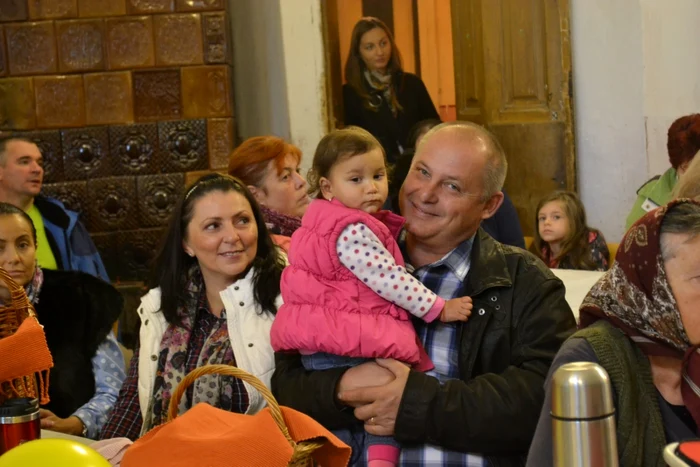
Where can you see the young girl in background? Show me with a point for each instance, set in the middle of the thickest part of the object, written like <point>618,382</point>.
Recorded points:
<point>347,296</point>
<point>562,238</point>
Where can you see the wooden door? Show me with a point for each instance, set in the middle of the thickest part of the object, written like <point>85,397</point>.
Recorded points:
<point>513,74</point>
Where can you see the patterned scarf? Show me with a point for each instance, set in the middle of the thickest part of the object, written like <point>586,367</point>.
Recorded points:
<point>172,362</point>
<point>279,223</point>
<point>34,287</point>
<point>382,83</point>
<point>635,297</point>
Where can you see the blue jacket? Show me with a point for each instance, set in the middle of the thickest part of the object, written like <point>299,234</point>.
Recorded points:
<point>70,242</point>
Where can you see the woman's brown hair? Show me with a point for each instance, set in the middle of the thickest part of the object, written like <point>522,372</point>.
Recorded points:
<point>575,245</point>
<point>336,146</point>
<point>355,67</point>
<point>249,161</point>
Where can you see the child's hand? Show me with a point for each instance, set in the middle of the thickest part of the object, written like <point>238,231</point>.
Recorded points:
<point>457,309</point>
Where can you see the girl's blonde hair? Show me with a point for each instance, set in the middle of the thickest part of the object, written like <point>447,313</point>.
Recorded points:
<point>575,244</point>
<point>689,183</point>
<point>335,147</point>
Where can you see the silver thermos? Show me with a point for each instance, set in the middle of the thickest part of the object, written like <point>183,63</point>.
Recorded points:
<point>583,417</point>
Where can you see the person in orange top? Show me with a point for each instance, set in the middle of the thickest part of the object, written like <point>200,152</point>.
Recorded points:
<point>271,168</point>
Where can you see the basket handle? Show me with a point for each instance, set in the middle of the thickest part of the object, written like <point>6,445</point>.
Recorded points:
<point>229,370</point>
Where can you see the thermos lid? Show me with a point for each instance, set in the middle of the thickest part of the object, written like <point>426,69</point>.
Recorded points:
<point>19,407</point>
<point>580,391</point>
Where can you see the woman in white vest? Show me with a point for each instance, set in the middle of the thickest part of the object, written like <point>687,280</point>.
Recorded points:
<point>216,291</point>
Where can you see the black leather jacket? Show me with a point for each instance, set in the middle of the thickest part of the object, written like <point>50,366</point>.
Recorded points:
<point>519,321</point>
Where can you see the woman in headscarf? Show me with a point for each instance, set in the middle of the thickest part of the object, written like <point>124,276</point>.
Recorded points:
<point>641,322</point>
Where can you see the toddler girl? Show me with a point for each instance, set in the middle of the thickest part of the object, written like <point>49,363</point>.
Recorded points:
<point>347,296</point>
<point>562,238</point>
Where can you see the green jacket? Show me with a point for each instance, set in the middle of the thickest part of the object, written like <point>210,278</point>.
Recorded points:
<point>656,192</point>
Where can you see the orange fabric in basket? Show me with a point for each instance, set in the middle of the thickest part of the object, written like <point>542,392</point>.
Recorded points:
<point>212,437</point>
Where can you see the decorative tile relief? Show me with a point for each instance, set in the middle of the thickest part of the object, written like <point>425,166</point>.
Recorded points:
<point>113,204</point>
<point>72,194</point>
<point>60,101</point>
<point>158,195</point>
<point>85,153</point>
<point>195,5</point>
<point>220,136</point>
<point>178,39</point>
<point>183,145</point>
<point>49,143</point>
<point>50,9</point>
<point>31,48</point>
<point>130,42</point>
<point>149,6</point>
<point>95,8</point>
<point>13,10</point>
<point>80,45</point>
<point>3,56</point>
<point>108,98</point>
<point>191,177</point>
<point>157,95</point>
<point>137,248</point>
<point>17,109</point>
<point>205,91</point>
<point>106,244</point>
<point>134,149</point>
<point>216,38</point>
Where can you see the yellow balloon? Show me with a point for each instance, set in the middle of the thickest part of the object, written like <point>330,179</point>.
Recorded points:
<point>54,453</point>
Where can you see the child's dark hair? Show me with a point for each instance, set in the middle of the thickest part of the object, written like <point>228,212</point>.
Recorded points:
<point>575,245</point>
<point>335,147</point>
<point>172,263</point>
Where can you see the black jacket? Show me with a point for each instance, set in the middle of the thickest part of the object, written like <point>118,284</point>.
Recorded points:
<point>77,311</point>
<point>519,321</point>
<point>389,130</point>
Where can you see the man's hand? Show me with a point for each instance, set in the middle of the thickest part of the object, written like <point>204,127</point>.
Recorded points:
<point>70,426</point>
<point>378,406</point>
<point>365,375</point>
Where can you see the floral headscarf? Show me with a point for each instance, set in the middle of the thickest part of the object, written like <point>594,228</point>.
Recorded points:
<point>635,296</point>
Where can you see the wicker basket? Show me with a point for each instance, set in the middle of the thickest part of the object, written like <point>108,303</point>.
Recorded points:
<point>11,316</point>
<point>302,451</point>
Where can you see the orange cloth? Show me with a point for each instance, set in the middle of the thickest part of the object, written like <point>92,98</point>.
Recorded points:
<point>213,437</point>
<point>26,353</point>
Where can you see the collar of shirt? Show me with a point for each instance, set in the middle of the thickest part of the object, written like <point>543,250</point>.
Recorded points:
<point>458,260</point>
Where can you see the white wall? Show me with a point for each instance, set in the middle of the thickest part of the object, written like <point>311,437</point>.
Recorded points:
<point>279,81</point>
<point>635,71</point>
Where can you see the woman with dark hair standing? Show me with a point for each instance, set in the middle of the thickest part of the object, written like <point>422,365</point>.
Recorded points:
<point>216,291</point>
<point>378,95</point>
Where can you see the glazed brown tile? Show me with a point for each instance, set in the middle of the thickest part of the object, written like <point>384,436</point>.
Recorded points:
<point>49,143</point>
<point>106,244</point>
<point>85,153</point>
<point>206,91</point>
<point>183,145</point>
<point>158,195</point>
<point>13,10</point>
<point>60,101</point>
<point>73,195</point>
<point>31,48</point>
<point>129,42</point>
<point>217,47</point>
<point>50,9</point>
<point>108,98</point>
<point>3,56</point>
<point>220,136</point>
<point>157,95</point>
<point>198,5</point>
<point>17,111</point>
<point>178,39</point>
<point>137,249</point>
<point>96,8</point>
<point>112,203</point>
<point>80,45</point>
<point>149,6</point>
<point>134,149</point>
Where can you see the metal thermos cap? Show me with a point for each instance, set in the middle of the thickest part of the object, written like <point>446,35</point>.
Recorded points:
<point>581,390</point>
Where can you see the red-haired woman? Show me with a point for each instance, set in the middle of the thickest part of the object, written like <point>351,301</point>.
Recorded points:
<point>269,166</point>
<point>683,143</point>
<point>379,96</point>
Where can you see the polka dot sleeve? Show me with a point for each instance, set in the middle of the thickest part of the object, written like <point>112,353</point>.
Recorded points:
<point>365,256</point>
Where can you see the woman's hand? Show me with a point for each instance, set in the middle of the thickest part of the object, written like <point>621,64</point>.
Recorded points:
<point>70,426</point>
